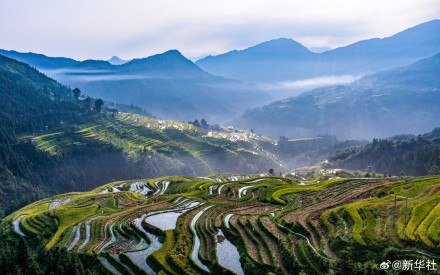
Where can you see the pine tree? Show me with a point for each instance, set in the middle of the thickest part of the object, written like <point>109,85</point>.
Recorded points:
<point>98,105</point>
<point>33,267</point>
<point>76,93</point>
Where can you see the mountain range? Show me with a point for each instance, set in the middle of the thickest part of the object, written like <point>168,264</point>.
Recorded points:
<point>284,59</point>
<point>167,84</point>
<point>173,87</point>
<point>405,99</point>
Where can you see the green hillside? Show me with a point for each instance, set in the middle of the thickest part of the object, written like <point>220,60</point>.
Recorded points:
<point>184,146</point>
<point>242,224</point>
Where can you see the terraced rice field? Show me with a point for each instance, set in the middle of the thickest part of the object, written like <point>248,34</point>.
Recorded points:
<point>236,223</point>
<point>137,135</point>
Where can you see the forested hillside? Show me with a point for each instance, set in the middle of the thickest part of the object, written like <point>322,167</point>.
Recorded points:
<point>30,102</point>
<point>400,155</point>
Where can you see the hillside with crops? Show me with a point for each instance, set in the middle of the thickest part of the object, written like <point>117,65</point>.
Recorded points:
<point>238,224</point>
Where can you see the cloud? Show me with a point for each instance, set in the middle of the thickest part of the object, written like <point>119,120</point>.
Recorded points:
<point>321,81</point>
<point>100,29</point>
<point>287,89</point>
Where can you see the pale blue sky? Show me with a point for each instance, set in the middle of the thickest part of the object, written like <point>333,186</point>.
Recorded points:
<point>98,29</point>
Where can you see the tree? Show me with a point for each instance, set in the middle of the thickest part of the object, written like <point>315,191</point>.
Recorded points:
<point>344,265</point>
<point>98,105</point>
<point>87,102</point>
<point>283,139</point>
<point>23,253</point>
<point>367,175</point>
<point>435,170</point>
<point>271,171</point>
<point>204,123</point>
<point>32,267</point>
<point>196,123</point>
<point>76,93</point>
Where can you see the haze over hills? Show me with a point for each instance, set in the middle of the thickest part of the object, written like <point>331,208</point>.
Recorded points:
<point>286,60</point>
<point>402,100</point>
<point>167,84</point>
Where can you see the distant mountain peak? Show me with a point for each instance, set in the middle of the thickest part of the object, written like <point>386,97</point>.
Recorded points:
<point>173,53</point>
<point>172,62</point>
<point>94,64</point>
<point>282,41</point>
<point>279,46</point>
<point>168,56</point>
<point>116,60</point>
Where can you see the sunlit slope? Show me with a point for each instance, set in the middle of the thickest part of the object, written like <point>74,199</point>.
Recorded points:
<point>236,223</point>
<point>180,143</point>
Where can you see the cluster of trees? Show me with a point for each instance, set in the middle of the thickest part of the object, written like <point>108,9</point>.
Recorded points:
<point>98,102</point>
<point>412,156</point>
<point>130,108</point>
<point>17,256</point>
<point>204,124</point>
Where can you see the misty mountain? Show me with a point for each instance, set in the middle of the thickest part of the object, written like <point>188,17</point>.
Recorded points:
<point>275,60</point>
<point>169,64</point>
<point>92,65</point>
<point>117,61</point>
<point>167,84</point>
<point>405,99</point>
<point>286,60</point>
<point>40,61</point>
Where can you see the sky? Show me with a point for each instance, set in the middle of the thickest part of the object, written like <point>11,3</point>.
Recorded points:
<point>99,29</point>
